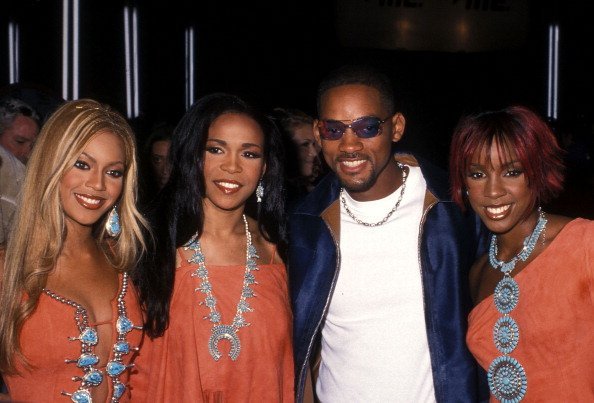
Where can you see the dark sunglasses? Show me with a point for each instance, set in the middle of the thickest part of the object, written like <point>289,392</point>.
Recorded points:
<point>364,127</point>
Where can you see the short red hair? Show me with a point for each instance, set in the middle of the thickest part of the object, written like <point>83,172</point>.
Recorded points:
<point>517,128</point>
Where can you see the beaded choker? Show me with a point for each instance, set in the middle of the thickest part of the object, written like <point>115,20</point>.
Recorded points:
<point>383,220</point>
<point>506,376</point>
<point>219,330</point>
<point>89,338</point>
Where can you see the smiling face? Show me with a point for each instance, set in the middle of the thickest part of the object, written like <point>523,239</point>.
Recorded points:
<point>94,184</point>
<point>498,189</point>
<point>233,160</point>
<point>364,166</point>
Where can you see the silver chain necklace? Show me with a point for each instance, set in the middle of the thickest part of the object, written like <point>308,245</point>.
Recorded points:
<point>383,220</point>
<point>219,330</point>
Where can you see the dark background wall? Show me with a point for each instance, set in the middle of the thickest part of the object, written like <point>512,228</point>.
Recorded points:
<point>274,53</point>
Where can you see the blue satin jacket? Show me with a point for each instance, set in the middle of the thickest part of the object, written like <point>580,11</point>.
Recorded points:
<point>449,243</point>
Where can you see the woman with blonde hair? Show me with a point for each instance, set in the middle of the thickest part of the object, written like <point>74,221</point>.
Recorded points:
<point>70,318</point>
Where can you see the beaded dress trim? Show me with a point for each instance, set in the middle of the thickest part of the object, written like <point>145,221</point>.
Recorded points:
<point>87,361</point>
<point>507,378</point>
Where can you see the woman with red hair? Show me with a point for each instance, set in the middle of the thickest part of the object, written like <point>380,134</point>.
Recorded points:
<point>532,326</point>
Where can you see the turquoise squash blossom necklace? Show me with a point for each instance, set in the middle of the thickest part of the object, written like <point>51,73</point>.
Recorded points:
<point>506,376</point>
<point>89,338</point>
<point>221,331</point>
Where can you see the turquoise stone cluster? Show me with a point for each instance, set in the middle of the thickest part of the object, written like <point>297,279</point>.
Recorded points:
<point>506,376</point>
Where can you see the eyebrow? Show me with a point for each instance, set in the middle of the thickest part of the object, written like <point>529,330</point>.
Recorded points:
<point>503,163</point>
<point>352,120</point>
<point>243,145</point>
<point>26,138</point>
<point>109,164</point>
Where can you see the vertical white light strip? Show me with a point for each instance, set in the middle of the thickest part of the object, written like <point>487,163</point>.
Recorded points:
<point>127,56</point>
<point>17,53</point>
<point>553,70</point>
<point>556,72</point>
<point>186,66</point>
<point>136,111</point>
<point>65,54</point>
<point>12,44</point>
<point>75,57</point>
<point>189,67</point>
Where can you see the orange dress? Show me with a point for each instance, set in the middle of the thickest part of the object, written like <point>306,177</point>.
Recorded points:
<point>178,366</point>
<point>44,342</point>
<point>555,316</point>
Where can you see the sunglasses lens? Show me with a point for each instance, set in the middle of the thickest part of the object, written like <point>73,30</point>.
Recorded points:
<point>367,127</point>
<point>331,129</point>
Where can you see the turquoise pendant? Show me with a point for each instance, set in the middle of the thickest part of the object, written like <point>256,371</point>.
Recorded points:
<point>125,325</point>
<point>118,390</point>
<point>87,360</point>
<point>506,334</point>
<point>88,336</point>
<point>507,379</point>
<point>114,368</point>
<point>121,347</point>
<point>112,226</point>
<point>506,295</point>
<point>93,377</point>
<point>226,332</point>
<point>81,396</point>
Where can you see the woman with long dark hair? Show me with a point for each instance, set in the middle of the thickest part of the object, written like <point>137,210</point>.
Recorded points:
<point>216,296</point>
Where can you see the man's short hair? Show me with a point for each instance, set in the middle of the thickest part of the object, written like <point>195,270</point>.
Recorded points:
<point>10,108</point>
<point>359,74</point>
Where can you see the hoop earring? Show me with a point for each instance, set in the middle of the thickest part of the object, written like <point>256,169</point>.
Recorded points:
<point>112,225</point>
<point>259,192</point>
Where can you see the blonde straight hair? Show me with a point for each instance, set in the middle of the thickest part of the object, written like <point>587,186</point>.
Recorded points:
<point>38,229</point>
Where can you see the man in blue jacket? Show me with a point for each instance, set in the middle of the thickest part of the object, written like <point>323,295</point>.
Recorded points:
<point>378,261</point>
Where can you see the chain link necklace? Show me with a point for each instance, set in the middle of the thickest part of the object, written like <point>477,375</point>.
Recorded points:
<point>89,338</point>
<point>506,376</point>
<point>383,220</point>
<point>221,331</point>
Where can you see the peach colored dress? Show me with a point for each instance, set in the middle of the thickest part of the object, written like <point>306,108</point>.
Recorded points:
<point>555,316</point>
<point>178,366</point>
<point>44,342</point>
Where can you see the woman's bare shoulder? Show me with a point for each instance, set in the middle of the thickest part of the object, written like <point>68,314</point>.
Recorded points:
<point>266,250</point>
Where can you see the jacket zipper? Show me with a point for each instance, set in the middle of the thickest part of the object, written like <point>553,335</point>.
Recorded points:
<point>423,219</point>
<point>324,312</point>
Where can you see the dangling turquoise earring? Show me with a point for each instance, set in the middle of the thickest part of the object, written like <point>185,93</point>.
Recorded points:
<point>259,192</point>
<point>112,225</point>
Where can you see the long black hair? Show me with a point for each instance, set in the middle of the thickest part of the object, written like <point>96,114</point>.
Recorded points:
<point>178,214</point>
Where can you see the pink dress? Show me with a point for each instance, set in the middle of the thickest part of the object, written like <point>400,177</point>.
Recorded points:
<point>555,315</point>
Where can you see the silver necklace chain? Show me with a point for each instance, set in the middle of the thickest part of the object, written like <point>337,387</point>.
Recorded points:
<point>383,220</point>
<point>219,330</point>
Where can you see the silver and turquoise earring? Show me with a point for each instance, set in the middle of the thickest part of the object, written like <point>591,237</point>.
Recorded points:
<point>112,225</point>
<point>259,192</point>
